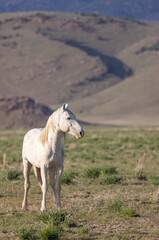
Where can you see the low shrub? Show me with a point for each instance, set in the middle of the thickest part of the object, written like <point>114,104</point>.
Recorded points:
<point>54,218</point>
<point>114,205</point>
<point>67,177</point>
<point>50,233</point>
<point>85,230</point>
<point>13,175</point>
<point>92,172</point>
<point>111,179</point>
<point>108,170</point>
<point>27,234</point>
<point>129,212</point>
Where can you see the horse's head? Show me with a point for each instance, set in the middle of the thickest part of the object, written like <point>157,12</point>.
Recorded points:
<point>68,122</point>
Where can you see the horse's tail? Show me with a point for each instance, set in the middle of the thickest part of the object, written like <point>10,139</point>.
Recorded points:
<point>38,175</point>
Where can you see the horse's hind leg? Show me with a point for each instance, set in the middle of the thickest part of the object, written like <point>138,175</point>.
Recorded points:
<point>38,175</point>
<point>52,181</point>
<point>26,171</point>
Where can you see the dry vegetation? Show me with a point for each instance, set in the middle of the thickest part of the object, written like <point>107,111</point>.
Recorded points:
<point>102,197</point>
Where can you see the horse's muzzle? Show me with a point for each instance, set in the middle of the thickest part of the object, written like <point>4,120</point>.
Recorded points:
<point>81,134</point>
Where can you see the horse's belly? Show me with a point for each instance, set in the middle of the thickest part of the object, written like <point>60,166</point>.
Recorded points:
<point>33,159</point>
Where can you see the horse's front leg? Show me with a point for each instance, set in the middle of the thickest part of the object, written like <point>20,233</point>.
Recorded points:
<point>56,184</point>
<point>59,172</point>
<point>44,188</point>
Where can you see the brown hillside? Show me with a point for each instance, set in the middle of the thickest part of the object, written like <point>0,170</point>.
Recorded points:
<point>135,101</point>
<point>20,112</point>
<point>63,57</point>
<point>106,67</point>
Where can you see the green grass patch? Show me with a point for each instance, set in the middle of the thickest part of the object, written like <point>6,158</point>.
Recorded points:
<point>50,233</point>
<point>85,230</point>
<point>55,218</point>
<point>114,205</point>
<point>13,175</point>
<point>108,170</point>
<point>68,176</point>
<point>154,181</point>
<point>112,179</point>
<point>125,238</point>
<point>70,223</point>
<point>27,234</point>
<point>129,212</point>
<point>92,172</point>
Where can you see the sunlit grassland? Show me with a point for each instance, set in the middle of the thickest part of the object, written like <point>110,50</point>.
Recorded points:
<point>101,195</point>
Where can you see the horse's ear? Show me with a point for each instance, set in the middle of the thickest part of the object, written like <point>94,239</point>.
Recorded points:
<point>64,106</point>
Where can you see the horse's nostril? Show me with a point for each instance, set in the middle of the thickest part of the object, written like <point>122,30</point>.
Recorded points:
<point>81,133</point>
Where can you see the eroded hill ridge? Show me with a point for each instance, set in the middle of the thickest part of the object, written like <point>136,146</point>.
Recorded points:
<point>19,112</point>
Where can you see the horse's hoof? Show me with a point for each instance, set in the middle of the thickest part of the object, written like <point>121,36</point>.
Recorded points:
<point>25,208</point>
<point>43,209</point>
<point>58,208</point>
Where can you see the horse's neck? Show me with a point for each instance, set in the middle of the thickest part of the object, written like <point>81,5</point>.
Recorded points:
<point>55,139</point>
<point>50,135</point>
<point>54,136</point>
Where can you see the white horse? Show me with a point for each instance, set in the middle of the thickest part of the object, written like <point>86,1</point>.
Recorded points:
<point>43,149</point>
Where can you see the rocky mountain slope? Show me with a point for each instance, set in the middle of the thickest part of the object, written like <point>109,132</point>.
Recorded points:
<point>22,112</point>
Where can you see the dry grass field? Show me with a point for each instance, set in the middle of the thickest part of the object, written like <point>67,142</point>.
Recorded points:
<point>109,188</point>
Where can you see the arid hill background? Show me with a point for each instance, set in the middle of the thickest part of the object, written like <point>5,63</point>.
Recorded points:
<point>106,68</point>
<point>137,9</point>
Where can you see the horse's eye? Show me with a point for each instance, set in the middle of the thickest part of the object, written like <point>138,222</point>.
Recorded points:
<point>68,118</point>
